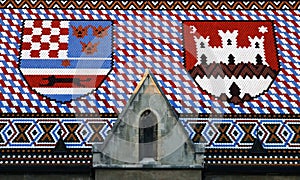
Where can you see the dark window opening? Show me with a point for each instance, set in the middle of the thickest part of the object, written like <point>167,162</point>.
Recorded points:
<point>147,135</point>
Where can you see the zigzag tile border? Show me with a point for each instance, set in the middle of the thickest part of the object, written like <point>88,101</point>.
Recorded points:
<point>45,132</point>
<point>218,133</point>
<point>157,5</point>
<point>215,133</point>
<point>150,39</point>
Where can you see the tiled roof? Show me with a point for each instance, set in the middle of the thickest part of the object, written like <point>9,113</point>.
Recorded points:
<point>30,122</point>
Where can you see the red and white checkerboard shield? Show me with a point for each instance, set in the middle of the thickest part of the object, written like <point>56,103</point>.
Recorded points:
<point>64,60</point>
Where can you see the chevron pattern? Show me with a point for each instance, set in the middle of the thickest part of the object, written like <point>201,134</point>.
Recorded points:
<point>241,69</point>
<point>157,5</point>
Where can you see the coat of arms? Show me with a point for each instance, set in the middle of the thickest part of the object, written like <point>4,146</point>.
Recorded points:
<point>64,60</point>
<point>235,61</point>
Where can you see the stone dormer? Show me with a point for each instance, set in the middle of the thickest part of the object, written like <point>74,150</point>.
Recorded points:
<point>148,134</point>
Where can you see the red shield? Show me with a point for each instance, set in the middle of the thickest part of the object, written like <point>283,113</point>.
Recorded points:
<point>233,60</point>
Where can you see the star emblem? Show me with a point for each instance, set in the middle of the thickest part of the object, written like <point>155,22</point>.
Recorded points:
<point>262,29</point>
<point>65,63</point>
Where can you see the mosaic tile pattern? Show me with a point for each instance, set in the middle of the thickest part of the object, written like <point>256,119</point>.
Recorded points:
<point>215,133</point>
<point>44,132</point>
<point>241,133</point>
<point>150,39</point>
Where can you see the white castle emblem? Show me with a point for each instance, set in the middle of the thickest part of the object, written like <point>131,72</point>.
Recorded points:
<point>229,46</point>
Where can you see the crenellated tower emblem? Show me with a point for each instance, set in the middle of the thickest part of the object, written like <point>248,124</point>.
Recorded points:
<point>234,61</point>
<point>229,46</point>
